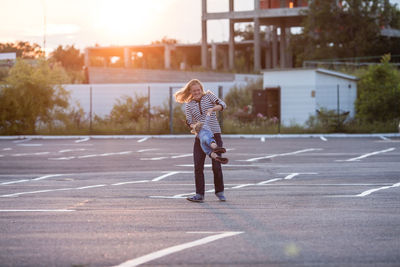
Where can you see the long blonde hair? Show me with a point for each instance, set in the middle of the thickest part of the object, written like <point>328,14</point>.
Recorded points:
<point>184,95</point>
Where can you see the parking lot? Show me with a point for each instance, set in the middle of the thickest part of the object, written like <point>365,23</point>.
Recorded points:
<point>121,202</point>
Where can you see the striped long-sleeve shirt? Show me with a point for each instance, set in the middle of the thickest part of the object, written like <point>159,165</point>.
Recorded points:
<point>197,110</point>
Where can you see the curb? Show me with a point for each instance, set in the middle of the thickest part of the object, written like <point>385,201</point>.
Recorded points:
<point>233,136</point>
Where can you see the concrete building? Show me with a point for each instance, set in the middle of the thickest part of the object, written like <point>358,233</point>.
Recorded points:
<point>276,16</point>
<point>294,95</point>
<point>281,14</point>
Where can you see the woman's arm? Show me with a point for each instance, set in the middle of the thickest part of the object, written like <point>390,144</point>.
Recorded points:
<point>220,105</point>
<point>217,107</point>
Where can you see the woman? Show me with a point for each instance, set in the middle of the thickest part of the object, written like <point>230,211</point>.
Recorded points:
<point>198,104</point>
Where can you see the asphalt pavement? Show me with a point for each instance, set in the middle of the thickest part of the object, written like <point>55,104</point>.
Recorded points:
<point>121,202</point>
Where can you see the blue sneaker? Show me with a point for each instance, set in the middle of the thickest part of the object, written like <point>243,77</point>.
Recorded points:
<point>196,198</point>
<point>220,196</point>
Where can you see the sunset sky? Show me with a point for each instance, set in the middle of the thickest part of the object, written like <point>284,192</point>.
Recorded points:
<point>111,22</point>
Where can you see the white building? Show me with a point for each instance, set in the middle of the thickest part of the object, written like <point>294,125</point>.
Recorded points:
<point>301,92</point>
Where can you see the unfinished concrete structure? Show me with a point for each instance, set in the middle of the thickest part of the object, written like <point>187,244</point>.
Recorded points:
<point>276,16</point>
<point>281,14</point>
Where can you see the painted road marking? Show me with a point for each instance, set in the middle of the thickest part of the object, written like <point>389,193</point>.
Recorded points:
<point>46,176</point>
<point>71,150</point>
<point>159,158</point>
<point>30,154</point>
<point>148,149</point>
<point>132,182</point>
<point>35,179</point>
<point>14,182</point>
<point>370,154</point>
<point>36,210</point>
<point>21,141</point>
<point>182,156</point>
<point>62,158</point>
<point>384,138</point>
<point>7,149</point>
<point>29,144</point>
<point>82,140</point>
<point>368,192</point>
<point>93,155</point>
<point>210,165</point>
<point>290,176</point>
<point>241,186</point>
<point>90,186</point>
<point>172,157</point>
<point>143,139</point>
<point>283,154</point>
<point>287,177</point>
<point>323,138</point>
<point>269,181</point>
<point>159,178</point>
<point>177,248</point>
<point>175,196</point>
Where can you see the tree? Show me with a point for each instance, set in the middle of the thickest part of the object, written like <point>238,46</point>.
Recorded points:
<point>69,57</point>
<point>22,49</point>
<point>31,95</point>
<point>348,29</point>
<point>128,109</point>
<point>379,93</point>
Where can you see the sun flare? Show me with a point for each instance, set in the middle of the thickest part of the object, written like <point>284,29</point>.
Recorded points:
<point>121,18</point>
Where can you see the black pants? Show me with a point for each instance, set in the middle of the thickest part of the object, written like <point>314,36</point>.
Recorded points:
<point>199,157</point>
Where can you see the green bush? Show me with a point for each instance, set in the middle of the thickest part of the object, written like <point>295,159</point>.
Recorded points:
<point>31,95</point>
<point>379,93</point>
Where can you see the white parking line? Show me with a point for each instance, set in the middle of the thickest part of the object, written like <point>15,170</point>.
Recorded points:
<point>181,156</point>
<point>62,158</point>
<point>35,179</point>
<point>143,139</point>
<point>36,210</point>
<point>159,178</point>
<point>159,158</point>
<point>21,141</point>
<point>29,144</point>
<point>323,138</point>
<point>370,154</point>
<point>175,196</point>
<point>71,150</point>
<point>132,182</point>
<point>368,192</point>
<point>148,149</point>
<point>287,177</point>
<point>283,154</point>
<point>177,248</point>
<point>46,176</point>
<point>30,154</point>
<point>15,182</point>
<point>269,181</point>
<point>290,176</point>
<point>90,186</point>
<point>82,140</point>
<point>242,185</point>
<point>227,165</point>
<point>93,155</point>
